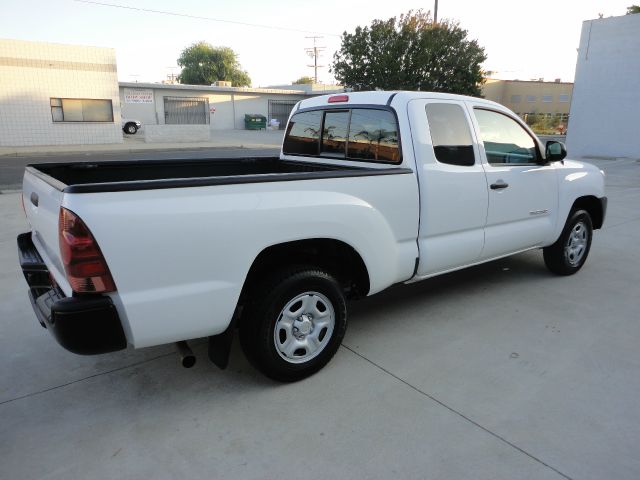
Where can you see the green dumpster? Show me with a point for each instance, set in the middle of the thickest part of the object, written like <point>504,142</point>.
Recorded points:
<point>255,121</point>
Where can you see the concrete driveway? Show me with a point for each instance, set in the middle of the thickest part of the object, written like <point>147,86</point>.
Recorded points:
<point>502,371</point>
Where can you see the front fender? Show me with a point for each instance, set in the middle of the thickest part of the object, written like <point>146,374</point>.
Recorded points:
<point>576,180</point>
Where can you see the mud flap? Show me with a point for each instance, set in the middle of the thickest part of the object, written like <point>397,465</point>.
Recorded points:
<point>220,346</point>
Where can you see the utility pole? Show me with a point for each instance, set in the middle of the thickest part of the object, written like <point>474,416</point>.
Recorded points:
<point>435,13</point>
<point>314,52</point>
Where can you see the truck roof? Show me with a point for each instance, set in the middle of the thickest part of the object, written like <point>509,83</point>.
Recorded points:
<point>386,97</point>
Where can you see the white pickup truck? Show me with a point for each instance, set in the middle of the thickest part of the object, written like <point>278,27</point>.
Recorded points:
<point>371,189</point>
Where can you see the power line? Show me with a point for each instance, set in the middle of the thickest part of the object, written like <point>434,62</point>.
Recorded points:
<point>198,17</point>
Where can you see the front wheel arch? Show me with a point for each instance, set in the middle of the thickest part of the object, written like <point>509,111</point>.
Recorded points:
<point>593,206</point>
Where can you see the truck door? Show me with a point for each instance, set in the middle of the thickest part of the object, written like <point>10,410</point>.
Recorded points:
<point>453,187</point>
<point>523,188</point>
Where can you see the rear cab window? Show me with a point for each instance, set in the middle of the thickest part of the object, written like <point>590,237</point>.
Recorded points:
<point>360,134</point>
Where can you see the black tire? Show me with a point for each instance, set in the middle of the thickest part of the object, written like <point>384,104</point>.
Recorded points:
<point>264,311</point>
<point>559,257</point>
<point>130,128</point>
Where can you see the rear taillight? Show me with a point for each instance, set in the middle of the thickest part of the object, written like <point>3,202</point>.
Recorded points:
<point>86,269</point>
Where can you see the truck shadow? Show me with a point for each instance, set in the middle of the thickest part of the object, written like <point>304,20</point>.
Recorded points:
<point>527,269</point>
<point>371,313</point>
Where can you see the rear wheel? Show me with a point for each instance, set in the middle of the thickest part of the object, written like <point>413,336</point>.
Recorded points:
<point>568,254</point>
<point>294,323</point>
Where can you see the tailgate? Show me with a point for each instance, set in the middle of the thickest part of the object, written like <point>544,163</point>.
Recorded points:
<point>42,206</point>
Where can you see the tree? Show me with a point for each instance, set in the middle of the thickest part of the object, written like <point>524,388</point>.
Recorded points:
<point>633,9</point>
<point>204,64</point>
<point>410,53</point>
<point>303,80</point>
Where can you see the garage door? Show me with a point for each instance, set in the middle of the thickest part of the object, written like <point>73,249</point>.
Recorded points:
<point>186,111</point>
<point>280,110</point>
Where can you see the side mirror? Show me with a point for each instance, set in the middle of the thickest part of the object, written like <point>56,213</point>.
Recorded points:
<point>555,151</point>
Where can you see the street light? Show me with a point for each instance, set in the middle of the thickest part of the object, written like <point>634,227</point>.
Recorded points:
<point>435,13</point>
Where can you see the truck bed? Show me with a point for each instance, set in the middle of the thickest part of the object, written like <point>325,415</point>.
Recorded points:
<point>110,176</point>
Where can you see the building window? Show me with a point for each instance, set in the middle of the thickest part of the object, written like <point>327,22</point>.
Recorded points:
<point>563,98</point>
<point>531,98</point>
<point>450,134</point>
<point>516,98</point>
<point>81,110</point>
<point>547,98</point>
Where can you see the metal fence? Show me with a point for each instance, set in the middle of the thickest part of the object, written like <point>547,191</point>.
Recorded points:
<point>186,111</point>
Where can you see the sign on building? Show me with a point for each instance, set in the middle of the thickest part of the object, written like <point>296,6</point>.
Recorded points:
<point>136,95</point>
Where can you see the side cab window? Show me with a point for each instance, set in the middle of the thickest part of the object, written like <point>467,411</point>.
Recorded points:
<point>505,141</point>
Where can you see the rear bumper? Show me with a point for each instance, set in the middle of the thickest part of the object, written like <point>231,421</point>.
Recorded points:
<point>86,325</point>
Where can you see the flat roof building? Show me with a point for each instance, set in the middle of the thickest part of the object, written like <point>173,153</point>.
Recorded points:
<point>531,97</point>
<point>221,107</point>
<point>54,94</point>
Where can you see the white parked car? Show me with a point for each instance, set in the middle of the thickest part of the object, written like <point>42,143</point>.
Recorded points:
<point>130,126</point>
<point>371,189</point>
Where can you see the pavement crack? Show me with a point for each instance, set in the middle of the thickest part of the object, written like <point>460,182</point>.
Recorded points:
<point>456,412</point>
<point>39,392</point>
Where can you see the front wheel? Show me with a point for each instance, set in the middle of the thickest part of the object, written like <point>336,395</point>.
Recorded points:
<point>568,254</point>
<point>294,323</point>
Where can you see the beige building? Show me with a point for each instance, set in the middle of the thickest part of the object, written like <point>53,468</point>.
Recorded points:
<point>525,98</point>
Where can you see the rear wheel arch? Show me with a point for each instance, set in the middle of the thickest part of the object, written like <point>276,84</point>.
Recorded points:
<point>335,256</point>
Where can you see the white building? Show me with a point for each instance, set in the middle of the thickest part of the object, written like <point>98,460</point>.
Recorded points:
<point>54,94</point>
<point>222,108</point>
<point>606,93</point>
<point>57,94</point>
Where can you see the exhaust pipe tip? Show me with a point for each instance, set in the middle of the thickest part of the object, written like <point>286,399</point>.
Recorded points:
<point>187,358</point>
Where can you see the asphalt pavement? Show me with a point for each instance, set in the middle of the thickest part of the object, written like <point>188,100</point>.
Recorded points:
<point>501,371</point>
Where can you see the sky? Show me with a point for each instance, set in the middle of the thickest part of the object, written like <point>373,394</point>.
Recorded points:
<point>523,40</point>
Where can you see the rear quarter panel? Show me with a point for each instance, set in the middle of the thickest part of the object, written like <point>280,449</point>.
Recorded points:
<point>179,257</point>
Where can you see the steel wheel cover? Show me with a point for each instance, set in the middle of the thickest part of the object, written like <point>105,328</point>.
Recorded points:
<point>576,245</point>
<point>304,327</point>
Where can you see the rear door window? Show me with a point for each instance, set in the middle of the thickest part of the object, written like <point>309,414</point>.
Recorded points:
<point>303,133</point>
<point>450,134</point>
